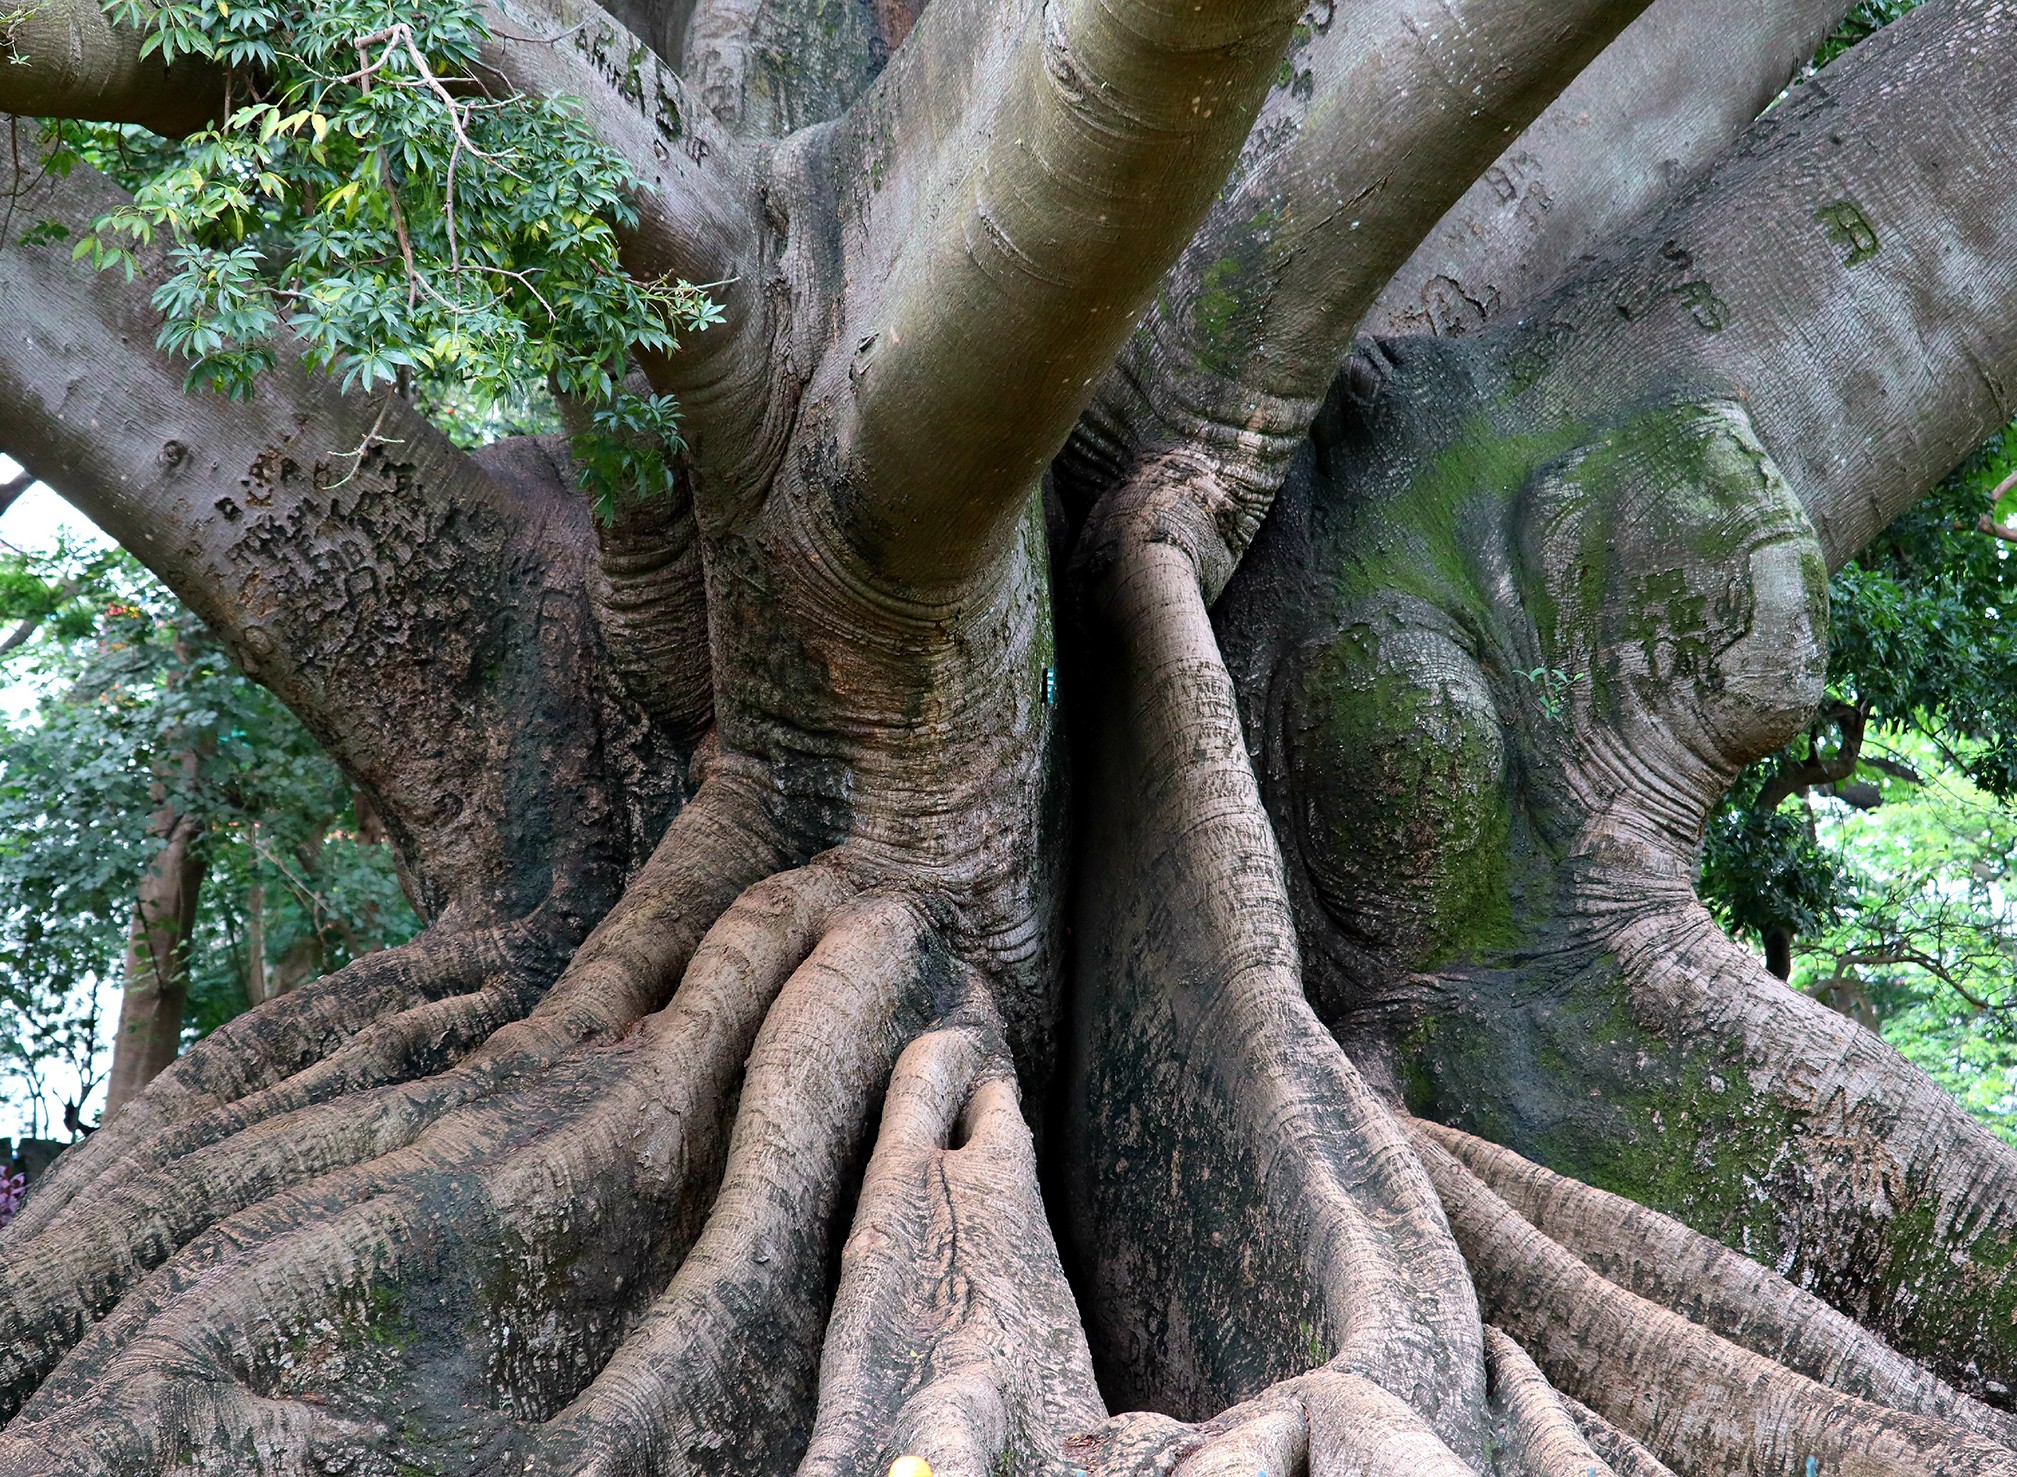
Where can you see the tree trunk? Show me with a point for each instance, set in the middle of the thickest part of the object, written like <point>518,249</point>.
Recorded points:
<point>1094,892</point>
<point>1779,953</point>
<point>157,959</point>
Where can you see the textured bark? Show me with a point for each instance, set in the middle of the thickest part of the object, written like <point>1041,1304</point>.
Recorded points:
<point>1570,578</point>
<point>794,1075</point>
<point>1719,1289</point>
<point>66,59</point>
<point>1696,1399</point>
<point>426,613</point>
<point>1635,126</point>
<point>1193,429</point>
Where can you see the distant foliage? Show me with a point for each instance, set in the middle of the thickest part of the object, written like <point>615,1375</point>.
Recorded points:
<point>1868,18</point>
<point>139,709</point>
<point>1927,953</point>
<point>1896,883</point>
<point>1923,624</point>
<point>1923,640</point>
<point>373,190</point>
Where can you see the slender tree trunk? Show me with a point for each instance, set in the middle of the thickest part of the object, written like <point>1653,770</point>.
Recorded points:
<point>256,992</point>
<point>157,959</point>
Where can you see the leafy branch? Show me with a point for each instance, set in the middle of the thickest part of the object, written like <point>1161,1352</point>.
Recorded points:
<point>1552,688</point>
<point>374,192</point>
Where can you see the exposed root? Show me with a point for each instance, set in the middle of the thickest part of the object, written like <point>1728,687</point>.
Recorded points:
<point>283,1037</point>
<point>721,842</point>
<point>1359,1426</point>
<point>1326,1423</point>
<point>1540,1433</point>
<point>422,1041</point>
<point>1275,1438</point>
<point>1701,1403</point>
<point>1870,1146</point>
<point>954,1335</point>
<point>1262,1213</point>
<point>722,1369</point>
<point>292,1169</point>
<point>1707,1283</point>
<point>724,841</point>
<point>1628,1458</point>
<point>494,1210</point>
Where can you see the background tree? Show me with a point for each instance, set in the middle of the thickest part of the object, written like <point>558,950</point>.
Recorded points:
<point>1405,1112</point>
<point>1919,645</point>
<point>149,753</point>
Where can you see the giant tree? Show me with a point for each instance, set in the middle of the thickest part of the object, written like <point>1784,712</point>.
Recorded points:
<point>1105,879</point>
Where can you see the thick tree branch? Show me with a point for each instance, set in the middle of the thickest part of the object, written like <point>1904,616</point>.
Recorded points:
<point>1388,113</point>
<point>1245,334</point>
<point>699,209</point>
<point>66,59</point>
<point>1674,91</point>
<point>398,596</point>
<point>1851,269</point>
<point>1099,142</point>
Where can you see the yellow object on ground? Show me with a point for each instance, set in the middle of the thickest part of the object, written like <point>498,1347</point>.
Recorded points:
<point>910,1466</point>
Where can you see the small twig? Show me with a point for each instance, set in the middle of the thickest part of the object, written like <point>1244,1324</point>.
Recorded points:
<point>448,100</point>
<point>1987,522</point>
<point>13,196</point>
<point>554,40</point>
<point>399,226</point>
<point>302,890</point>
<point>454,251</point>
<point>522,277</point>
<point>369,68</point>
<point>371,439</point>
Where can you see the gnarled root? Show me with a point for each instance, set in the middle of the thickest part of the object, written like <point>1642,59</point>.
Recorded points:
<point>1864,1146</point>
<point>1540,1432</point>
<point>1243,1194</point>
<point>285,1037</point>
<point>1822,1151</point>
<point>320,1297</point>
<point>1664,1262</point>
<point>297,1151</point>
<point>722,1366</point>
<point>1702,1404</point>
<point>954,1335</point>
<point>1627,1457</point>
